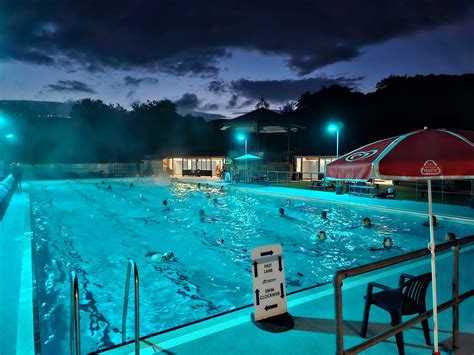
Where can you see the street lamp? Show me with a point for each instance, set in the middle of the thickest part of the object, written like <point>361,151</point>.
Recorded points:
<point>243,138</point>
<point>333,127</point>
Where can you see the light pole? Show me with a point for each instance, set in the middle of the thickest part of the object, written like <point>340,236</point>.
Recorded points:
<point>335,128</point>
<point>242,137</point>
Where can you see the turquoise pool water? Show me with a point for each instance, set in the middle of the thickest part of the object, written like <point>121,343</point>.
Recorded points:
<point>82,226</point>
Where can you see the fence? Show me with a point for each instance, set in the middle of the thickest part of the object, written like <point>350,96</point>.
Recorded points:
<point>454,302</point>
<point>276,176</point>
<point>458,192</point>
<point>92,170</point>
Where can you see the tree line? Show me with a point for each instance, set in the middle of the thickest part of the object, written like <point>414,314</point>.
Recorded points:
<point>100,132</point>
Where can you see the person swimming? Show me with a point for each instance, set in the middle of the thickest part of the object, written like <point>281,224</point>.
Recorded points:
<point>165,204</point>
<point>143,198</point>
<point>450,236</point>
<point>288,202</point>
<point>159,257</point>
<point>131,184</point>
<point>109,187</point>
<point>216,202</point>
<point>199,185</point>
<point>386,245</point>
<point>281,211</point>
<point>324,215</point>
<point>203,217</point>
<point>427,223</point>
<point>367,222</point>
<point>321,235</point>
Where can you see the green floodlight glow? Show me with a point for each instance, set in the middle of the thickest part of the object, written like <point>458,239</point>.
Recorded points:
<point>333,127</point>
<point>241,137</point>
<point>10,136</point>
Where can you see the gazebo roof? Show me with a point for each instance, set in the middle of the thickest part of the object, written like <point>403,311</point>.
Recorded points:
<point>262,121</point>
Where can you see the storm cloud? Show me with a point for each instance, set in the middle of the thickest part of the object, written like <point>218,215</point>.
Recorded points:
<point>132,81</point>
<point>192,37</point>
<point>288,89</point>
<point>70,86</point>
<point>187,102</point>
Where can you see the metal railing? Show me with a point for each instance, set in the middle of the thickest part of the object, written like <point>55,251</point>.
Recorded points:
<point>131,264</point>
<point>454,302</point>
<point>75,329</point>
<point>276,176</point>
<point>446,191</point>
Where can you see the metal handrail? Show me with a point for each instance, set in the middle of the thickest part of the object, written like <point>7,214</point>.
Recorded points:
<point>75,335</point>
<point>131,264</point>
<point>343,274</point>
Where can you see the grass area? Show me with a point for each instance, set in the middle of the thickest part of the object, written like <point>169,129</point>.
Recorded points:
<point>402,193</point>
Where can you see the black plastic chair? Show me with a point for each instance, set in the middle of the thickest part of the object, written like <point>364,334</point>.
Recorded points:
<point>407,299</point>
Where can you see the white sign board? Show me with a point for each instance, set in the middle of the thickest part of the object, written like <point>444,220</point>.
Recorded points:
<point>269,293</point>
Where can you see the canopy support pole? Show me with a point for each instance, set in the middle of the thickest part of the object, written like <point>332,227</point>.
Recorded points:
<point>433,269</point>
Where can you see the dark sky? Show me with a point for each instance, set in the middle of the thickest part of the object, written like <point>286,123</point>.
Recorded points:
<point>220,56</point>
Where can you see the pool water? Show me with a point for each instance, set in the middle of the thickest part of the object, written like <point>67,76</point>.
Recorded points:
<point>84,227</point>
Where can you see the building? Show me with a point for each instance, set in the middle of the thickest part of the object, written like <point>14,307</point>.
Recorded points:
<point>194,165</point>
<point>270,135</point>
<point>312,167</point>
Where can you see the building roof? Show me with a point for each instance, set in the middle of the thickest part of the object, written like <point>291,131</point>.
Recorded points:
<point>261,120</point>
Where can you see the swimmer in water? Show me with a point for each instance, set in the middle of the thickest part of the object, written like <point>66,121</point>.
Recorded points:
<point>131,185</point>
<point>199,185</point>
<point>165,204</point>
<point>386,245</point>
<point>281,211</point>
<point>324,215</point>
<point>288,202</point>
<point>450,236</point>
<point>321,235</point>
<point>109,187</point>
<point>159,257</point>
<point>367,222</point>
<point>203,217</point>
<point>427,223</point>
<point>143,198</point>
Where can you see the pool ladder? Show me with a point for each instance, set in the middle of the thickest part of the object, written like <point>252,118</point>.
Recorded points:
<point>75,336</point>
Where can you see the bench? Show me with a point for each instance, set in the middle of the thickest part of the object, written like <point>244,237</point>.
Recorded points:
<point>322,185</point>
<point>197,172</point>
<point>363,190</point>
<point>259,178</point>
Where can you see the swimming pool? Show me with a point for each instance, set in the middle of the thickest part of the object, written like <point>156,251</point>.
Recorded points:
<point>85,227</point>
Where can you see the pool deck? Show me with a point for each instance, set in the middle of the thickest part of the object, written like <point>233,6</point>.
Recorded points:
<point>313,312</point>
<point>16,283</point>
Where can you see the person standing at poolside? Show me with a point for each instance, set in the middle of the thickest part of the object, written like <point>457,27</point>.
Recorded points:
<point>17,173</point>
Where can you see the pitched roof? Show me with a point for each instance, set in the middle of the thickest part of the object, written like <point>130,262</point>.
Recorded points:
<point>262,117</point>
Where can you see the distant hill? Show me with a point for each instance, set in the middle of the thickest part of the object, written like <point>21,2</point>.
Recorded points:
<point>39,108</point>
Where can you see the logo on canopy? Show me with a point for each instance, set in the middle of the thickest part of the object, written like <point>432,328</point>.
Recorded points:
<point>430,168</point>
<point>361,155</point>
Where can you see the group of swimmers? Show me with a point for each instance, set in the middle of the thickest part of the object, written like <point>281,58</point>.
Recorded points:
<point>387,243</point>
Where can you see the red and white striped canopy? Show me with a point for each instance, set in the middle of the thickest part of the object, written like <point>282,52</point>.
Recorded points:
<point>419,155</point>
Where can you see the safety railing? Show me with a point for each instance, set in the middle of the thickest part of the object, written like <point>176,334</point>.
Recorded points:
<point>454,302</point>
<point>276,176</point>
<point>75,329</point>
<point>132,265</point>
<point>459,192</point>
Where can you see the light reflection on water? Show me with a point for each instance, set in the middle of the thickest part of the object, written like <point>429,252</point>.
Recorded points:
<point>84,227</point>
